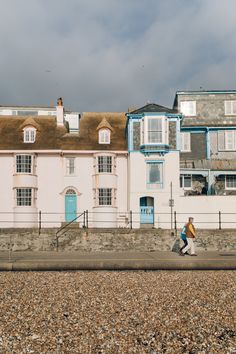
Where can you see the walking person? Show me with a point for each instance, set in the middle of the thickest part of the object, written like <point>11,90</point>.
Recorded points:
<point>190,234</point>
<point>183,238</point>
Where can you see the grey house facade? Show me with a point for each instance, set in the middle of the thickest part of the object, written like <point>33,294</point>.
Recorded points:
<point>208,142</point>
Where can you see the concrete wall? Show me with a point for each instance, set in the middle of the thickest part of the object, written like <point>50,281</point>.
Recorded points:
<point>111,240</point>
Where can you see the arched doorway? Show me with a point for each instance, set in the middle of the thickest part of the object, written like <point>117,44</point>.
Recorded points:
<point>147,210</point>
<point>70,205</point>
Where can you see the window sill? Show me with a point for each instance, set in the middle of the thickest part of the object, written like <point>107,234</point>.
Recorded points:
<point>155,186</point>
<point>154,144</point>
<point>105,206</point>
<point>24,174</point>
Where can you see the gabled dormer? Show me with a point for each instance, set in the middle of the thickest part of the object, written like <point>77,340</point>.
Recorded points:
<point>104,132</point>
<point>29,128</point>
<point>153,128</point>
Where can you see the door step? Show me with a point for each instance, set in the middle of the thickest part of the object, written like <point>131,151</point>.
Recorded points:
<point>146,226</point>
<point>73,225</point>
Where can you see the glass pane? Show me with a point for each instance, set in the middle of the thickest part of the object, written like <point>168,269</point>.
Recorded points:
<point>155,137</point>
<point>105,196</point>
<point>70,191</point>
<point>187,181</point>
<point>229,140</point>
<point>23,196</point>
<point>105,164</point>
<point>155,130</point>
<point>231,181</point>
<point>154,124</point>
<point>155,173</point>
<point>23,163</point>
<point>233,107</point>
<point>70,166</point>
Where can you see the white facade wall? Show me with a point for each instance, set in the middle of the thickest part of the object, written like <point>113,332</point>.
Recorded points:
<point>139,188</point>
<point>50,183</point>
<point>205,211</point>
<point>6,190</point>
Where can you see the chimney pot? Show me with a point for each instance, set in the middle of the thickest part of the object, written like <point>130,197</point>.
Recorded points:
<point>60,112</point>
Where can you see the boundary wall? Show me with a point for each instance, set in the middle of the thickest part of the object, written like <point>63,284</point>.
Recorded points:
<point>102,240</point>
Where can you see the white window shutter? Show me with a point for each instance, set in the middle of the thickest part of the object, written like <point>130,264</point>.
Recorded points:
<point>221,140</point>
<point>166,123</point>
<point>227,107</point>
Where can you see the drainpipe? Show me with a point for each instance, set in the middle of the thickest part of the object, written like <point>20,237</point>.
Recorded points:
<point>208,145</point>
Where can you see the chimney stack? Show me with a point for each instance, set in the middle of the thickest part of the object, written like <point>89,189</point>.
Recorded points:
<point>60,112</point>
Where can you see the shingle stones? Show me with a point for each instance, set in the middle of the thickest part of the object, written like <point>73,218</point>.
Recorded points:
<point>118,312</point>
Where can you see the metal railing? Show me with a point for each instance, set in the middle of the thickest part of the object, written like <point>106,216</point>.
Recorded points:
<point>128,219</point>
<point>64,227</point>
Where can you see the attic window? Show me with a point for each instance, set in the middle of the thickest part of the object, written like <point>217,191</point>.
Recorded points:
<point>29,135</point>
<point>104,136</point>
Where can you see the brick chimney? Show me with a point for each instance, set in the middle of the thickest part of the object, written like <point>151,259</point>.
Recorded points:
<point>60,112</point>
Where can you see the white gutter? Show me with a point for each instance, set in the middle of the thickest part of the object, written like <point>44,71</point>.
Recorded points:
<point>63,152</point>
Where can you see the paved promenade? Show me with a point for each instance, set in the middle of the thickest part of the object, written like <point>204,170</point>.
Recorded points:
<point>19,261</point>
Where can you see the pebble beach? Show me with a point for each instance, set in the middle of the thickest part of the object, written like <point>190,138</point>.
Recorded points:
<point>118,312</point>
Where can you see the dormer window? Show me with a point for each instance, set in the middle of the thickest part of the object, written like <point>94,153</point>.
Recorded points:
<point>188,108</point>
<point>29,135</point>
<point>104,136</point>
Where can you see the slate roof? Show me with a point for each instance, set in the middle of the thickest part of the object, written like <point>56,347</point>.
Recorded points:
<point>213,164</point>
<point>153,108</point>
<point>200,122</point>
<point>51,136</point>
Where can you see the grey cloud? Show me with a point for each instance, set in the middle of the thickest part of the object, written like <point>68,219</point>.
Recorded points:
<point>109,54</point>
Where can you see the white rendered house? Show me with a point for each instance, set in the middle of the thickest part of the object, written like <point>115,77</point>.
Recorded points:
<point>53,169</point>
<point>153,143</point>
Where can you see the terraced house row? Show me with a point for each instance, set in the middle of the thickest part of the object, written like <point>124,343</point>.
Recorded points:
<point>137,168</point>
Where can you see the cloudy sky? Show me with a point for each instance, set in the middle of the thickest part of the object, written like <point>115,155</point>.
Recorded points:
<point>107,55</point>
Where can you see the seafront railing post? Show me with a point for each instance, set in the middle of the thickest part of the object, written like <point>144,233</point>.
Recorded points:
<point>131,219</point>
<point>40,221</point>
<point>175,221</point>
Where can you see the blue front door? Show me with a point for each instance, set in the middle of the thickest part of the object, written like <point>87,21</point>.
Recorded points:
<point>147,215</point>
<point>70,206</point>
<point>146,212</point>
